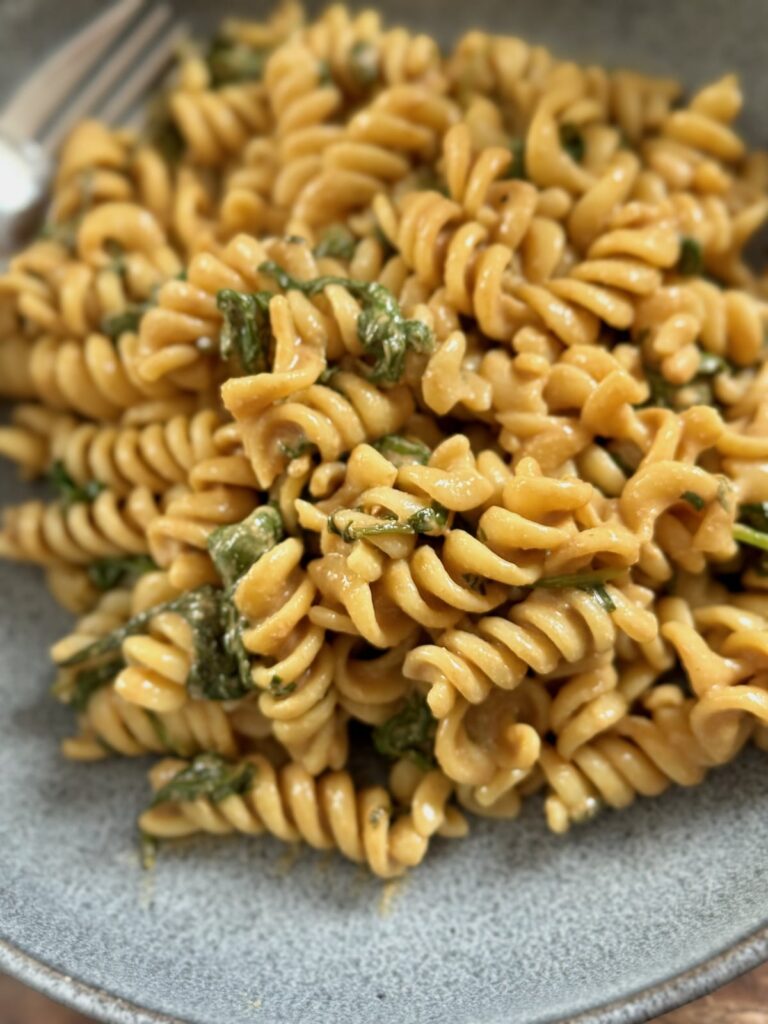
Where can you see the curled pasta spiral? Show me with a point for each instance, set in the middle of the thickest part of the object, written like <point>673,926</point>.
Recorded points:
<point>361,55</point>
<point>216,123</point>
<point>723,651</point>
<point>376,149</point>
<point>52,534</point>
<point>291,667</point>
<point>333,418</point>
<point>156,456</point>
<point>303,107</point>
<point>639,755</point>
<point>540,632</point>
<point>325,812</point>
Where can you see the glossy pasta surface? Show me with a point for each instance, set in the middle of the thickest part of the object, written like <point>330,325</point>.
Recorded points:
<point>402,409</point>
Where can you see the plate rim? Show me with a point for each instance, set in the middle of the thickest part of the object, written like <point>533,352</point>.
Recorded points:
<point>640,1006</point>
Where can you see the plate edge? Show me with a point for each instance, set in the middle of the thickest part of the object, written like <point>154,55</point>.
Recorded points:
<point>667,995</point>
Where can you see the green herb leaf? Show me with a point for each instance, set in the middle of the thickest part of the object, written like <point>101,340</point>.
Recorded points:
<point>401,451</point>
<point>68,492</point>
<point>364,63</point>
<point>89,680</point>
<point>117,254</point>
<point>385,334</point>
<point>691,260</point>
<point>220,667</point>
<point>755,515</point>
<point>229,61</point>
<point>710,365</point>
<point>64,234</point>
<point>127,321</point>
<point>324,73</point>
<point>235,548</point>
<point>474,581</point>
<point>338,242</point>
<point>516,168</point>
<point>430,519</point>
<point>295,451</point>
<point>747,535</point>
<point>209,777</point>
<point>108,573</point>
<point>588,580</point>
<point>621,463</point>
<point>159,729</point>
<point>246,333</point>
<point>602,596</point>
<point>279,689</point>
<point>410,733</point>
<point>572,141</point>
<point>693,499</point>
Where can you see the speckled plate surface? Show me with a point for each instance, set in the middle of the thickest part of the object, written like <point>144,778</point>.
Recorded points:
<point>625,919</point>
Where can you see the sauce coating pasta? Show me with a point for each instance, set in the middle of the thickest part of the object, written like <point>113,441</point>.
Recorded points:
<point>400,401</point>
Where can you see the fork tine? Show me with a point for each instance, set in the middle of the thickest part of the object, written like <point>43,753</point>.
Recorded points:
<point>35,102</point>
<point>117,67</point>
<point>137,84</point>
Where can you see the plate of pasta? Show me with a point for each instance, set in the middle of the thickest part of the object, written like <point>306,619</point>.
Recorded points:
<point>385,530</point>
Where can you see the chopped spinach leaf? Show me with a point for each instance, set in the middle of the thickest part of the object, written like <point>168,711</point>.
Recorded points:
<point>220,667</point>
<point>158,727</point>
<point>474,581</point>
<point>364,63</point>
<point>410,733</point>
<point>710,365</point>
<point>401,451</point>
<point>755,515</point>
<point>88,680</point>
<point>68,491</point>
<point>621,463</point>
<point>64,234</point>
<point>246,333</point>
<point>128,320</point>
<point>516,168</point>
<point>385,334</point>
<point>235,548</point>
<point>116,253</point>
<point>295,451</point>
<point>279,689</point>
<point>324,73</point>
<point>209,777</point>
<point>691,260</point>
<point>384,242</point>
<point>572,141</point>
<point>107,573</point>
<point>229,61</point>
<point>430,519</point>
<point>338,242</point>
<point>693,499</point>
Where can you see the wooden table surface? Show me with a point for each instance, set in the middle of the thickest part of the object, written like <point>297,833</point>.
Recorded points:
<point>744,1001</point>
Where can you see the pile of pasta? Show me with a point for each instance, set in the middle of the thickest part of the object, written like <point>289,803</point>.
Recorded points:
<point>407,418</point>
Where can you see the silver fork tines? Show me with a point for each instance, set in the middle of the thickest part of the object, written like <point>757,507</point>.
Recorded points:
<point>104,71</point>
<point>49,104</point>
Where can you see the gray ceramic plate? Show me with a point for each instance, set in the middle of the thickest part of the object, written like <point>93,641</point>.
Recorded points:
<point>627,918</point>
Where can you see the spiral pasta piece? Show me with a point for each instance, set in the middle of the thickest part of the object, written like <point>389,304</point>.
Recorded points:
<point>326,813</point>
<point>402,402</point>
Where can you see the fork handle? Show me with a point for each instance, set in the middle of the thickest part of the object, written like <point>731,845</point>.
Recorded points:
<point>25,172</point>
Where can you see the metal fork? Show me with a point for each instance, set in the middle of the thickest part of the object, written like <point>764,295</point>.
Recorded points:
<point>73,83</point>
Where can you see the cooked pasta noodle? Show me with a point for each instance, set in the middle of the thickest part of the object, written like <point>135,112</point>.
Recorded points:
<point>406,403</point>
